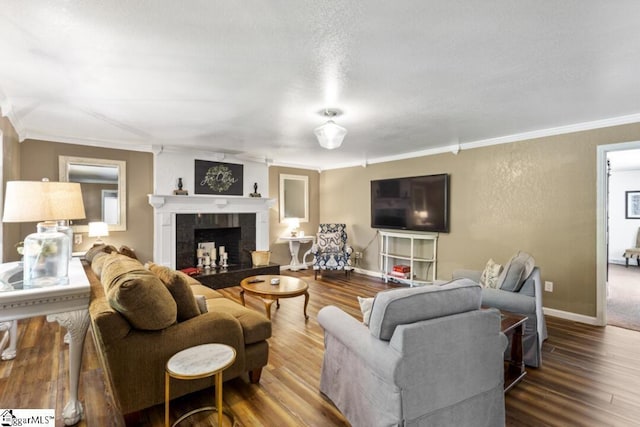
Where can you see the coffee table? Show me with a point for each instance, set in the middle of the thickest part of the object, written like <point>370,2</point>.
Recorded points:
<point>261,287</point>
<point>512,325</point>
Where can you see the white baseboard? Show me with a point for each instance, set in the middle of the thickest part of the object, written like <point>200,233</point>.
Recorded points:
<point>368,272</point>
<point>589,320</point>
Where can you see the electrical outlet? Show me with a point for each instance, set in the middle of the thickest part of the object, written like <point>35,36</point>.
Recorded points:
<point>548,286</point>
<point>77,239</point>
<point>357,255</point>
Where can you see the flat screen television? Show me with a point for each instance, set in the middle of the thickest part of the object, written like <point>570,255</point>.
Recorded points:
<point>418,203</point>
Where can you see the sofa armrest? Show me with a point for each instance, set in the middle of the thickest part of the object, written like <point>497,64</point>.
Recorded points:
<point>467,274</point>
<point>376,354</point>
<point>508,301</point>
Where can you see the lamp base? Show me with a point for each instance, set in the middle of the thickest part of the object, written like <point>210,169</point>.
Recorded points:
<point>46,257</point>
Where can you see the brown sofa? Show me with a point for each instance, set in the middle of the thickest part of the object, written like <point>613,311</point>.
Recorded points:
<point>140,318</point>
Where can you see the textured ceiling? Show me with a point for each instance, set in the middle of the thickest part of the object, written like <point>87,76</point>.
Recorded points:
<point>249,78</point>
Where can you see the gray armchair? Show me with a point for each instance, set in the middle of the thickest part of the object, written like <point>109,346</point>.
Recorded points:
<point>525,300</point>
<point>430,357</point>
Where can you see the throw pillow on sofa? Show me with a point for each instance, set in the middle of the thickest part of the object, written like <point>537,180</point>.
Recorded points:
<point>137,294</point>
<point>365,307</point>
<point>179,288</point>
<point>490,274</point>
<point>515,272</point>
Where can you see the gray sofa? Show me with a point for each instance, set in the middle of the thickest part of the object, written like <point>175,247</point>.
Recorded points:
<point>430,357</point>
<point>525,300</point>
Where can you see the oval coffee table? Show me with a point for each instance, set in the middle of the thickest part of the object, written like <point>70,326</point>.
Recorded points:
<point>261,287</point>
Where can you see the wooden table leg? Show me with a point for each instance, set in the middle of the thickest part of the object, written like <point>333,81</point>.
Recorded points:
<point>267,307</point>
<point>306,302</point>
<point>242,296</point>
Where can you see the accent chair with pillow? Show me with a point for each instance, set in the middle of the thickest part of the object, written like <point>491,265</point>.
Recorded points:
<point>518,289</point>
<point>330,251</point>
<point>429,357</point>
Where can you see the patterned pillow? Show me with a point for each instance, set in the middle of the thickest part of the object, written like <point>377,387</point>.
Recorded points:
<point>365,307</point>
<point>489,278</point>
<point>330,242</point>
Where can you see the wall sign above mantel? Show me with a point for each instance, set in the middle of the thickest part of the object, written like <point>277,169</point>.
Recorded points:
<point>218,178</point>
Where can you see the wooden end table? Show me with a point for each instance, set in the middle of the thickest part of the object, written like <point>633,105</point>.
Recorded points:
<point>260,286</point>
<point>512,325</point>
<point>197,362</point>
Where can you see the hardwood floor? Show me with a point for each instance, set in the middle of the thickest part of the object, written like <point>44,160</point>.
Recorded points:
<point>590,375</point>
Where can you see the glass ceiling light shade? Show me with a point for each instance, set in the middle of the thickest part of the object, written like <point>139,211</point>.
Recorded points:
<point>48,251</point>
<point>330,135</point>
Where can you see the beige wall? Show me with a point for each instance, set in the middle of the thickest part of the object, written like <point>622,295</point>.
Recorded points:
<point>280,250</point>
<point>39,159</point>
<point>10,172</point>
<point>538,196</point>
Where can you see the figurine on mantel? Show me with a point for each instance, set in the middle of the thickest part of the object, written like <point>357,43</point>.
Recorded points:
<point>180,191</point>
<point>255,191</point>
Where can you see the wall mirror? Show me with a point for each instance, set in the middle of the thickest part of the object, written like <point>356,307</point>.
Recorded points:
<point>104,190</point>
<point>294,197</point>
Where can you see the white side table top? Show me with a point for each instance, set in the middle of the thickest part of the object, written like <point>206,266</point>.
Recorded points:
<point>201,360</point>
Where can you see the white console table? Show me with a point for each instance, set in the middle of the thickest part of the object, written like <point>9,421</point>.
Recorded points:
<point>294,248</point>
<point>66,304</point>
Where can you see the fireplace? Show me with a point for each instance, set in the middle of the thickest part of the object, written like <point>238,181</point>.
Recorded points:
<point>236,232</point>
<point>231,212</point>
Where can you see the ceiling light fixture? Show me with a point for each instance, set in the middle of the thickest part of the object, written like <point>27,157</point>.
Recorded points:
<point>330,135</point>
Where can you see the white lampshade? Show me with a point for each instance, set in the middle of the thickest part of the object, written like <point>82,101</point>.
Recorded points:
<point>293,222</point>
<point>98,229</point>
<point>32,201</point>
<point>330,135</point>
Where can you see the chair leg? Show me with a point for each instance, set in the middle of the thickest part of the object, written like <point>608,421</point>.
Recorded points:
<point>315,274</point>
<point>638,261</point>
<point>626,262</point>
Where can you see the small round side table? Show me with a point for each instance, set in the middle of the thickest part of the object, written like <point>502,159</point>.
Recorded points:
<point>197,362</point>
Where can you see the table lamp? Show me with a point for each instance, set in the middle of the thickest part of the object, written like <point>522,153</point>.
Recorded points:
<point>294,224</point>
<point>47,252</point>
<point>98,229</point>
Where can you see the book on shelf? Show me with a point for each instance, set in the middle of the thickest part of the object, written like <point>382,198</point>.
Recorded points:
<point>399,274</point>
<point>402,268</point>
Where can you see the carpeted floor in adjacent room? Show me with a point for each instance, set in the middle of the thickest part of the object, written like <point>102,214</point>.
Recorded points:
<point>623,296</point>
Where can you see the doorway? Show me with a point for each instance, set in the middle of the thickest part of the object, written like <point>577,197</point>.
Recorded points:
<point>618,286</point>
<point>623,282</point>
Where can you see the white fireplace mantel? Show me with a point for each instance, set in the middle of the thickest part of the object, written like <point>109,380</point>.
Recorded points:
<point>165,208</point>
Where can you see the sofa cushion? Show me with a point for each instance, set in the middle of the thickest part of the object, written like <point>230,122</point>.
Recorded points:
<point>409,305</point>
<point>255,326</point>
<point>180,290</point>
<point>515,272</point>
<point>137,294</point>
<point>96,249</point>
<point>207,293</point>
<point>98,263</point>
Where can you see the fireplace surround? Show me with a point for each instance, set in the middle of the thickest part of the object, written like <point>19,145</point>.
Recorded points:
<point>167,207</point>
